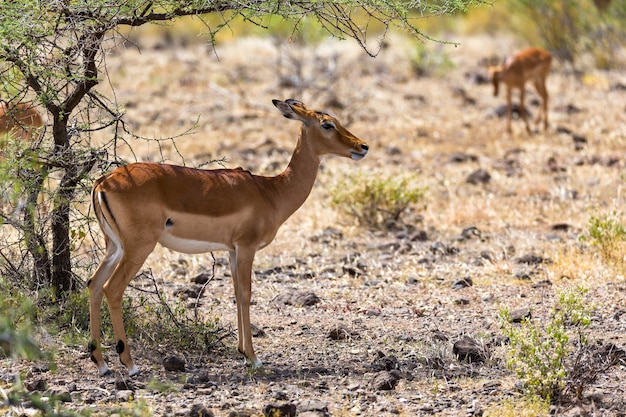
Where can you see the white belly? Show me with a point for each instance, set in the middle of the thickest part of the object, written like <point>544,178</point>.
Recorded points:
<point>190,246</point>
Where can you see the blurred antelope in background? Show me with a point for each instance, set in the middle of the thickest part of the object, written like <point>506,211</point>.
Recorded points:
<point>529,64</point>
<point>18,122</point>
<point>21,120</point>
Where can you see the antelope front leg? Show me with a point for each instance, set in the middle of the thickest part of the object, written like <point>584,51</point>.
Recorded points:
<point>522,109</point>
<point>241,268</point>
<point>509,109</point>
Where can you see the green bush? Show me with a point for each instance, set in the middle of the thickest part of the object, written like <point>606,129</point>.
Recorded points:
<point>427,60</point>
<point>539,350</point>
<point>608,235</point>
<point>376,201</point>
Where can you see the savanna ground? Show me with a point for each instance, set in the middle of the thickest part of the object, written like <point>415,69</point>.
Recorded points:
<point>388,306</point>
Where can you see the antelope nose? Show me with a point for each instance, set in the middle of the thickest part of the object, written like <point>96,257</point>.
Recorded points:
<point>365,147</point>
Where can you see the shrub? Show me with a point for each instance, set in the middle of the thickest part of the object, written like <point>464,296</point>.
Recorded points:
<point>376,201</point>
<point>16,316</point>
<point>426,61</point>
<point>608,235</point>
<point>539,351</point>
<point>150,318</point>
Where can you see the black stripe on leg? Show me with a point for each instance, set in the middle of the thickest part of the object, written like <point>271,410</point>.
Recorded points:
<point>93,345</point>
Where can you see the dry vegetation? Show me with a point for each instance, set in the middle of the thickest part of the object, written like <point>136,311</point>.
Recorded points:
<point>389,292</point>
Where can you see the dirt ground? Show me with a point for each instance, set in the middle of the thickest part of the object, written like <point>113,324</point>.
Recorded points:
<point>386,306</point>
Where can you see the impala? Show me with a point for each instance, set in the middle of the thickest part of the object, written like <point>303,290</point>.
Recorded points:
<point>530,64</point>
<point>20,120</point>
<point>194,211</point>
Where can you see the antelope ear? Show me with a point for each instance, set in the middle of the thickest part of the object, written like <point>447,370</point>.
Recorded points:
<point>288,108</point>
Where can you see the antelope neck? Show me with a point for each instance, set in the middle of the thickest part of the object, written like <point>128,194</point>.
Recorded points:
<point>294,184</point>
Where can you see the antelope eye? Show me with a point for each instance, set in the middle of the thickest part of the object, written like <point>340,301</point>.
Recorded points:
<point>328,125</point>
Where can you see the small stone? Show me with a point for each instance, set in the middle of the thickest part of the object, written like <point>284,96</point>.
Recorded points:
<point>479,176</point>
<point>36,385</point>
<point>202,278</point>
<point>468,350</point>
<point>124,395</point>
<point>531,259</point>
<point>385,381</point>
<point>305,299</point>
<point>520,314</point>
<point>462,283</point>
<point>172,363</point>
<point>60,393</point>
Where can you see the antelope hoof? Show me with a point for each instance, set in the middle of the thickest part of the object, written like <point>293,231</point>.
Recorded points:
<point>104,371</point>
<point>254,364</point>
<point>134,371</point>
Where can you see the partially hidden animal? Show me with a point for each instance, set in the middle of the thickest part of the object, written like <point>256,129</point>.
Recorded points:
<point>19,120</point>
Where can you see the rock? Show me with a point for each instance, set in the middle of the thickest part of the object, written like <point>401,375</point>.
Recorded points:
<point>419,236</point>
<point>480,176</point>
<point>385,381</point>
<point>36,385</point>
<point>561,227</point>
<point>305,298</point>
<point>470,232</point>
<point>523,275</point>
<point>542,284</point>
<point>256,330</point>
<point>59,393</point>
<point>284,410</point>
<point>459,157</point>
<point>297,298</point>
<point>202,278</point>
<point>530,259</point>
<point>468,350</point>
<point>443,249</point>
<point>199,410</point>
<point>462,283</point>
<point>124,395</point>
<point>172,363</point>
<point>194,291</point>
<point>520,314</point>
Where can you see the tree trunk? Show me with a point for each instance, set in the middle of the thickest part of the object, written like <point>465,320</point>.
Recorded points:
<point>62,278</point>
<point>35,242</point>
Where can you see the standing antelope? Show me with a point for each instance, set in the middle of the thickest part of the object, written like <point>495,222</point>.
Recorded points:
<point>194,211</point>
<point>528,64</point>
<point>21,120</point>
